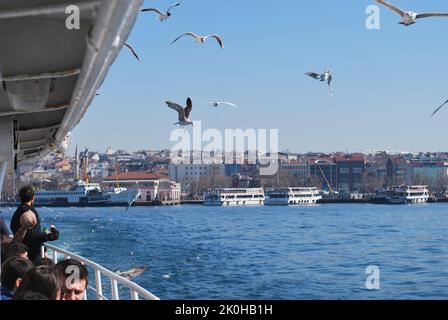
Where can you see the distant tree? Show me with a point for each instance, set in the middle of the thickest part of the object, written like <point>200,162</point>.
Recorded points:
<point>371,181</point>
<point>419,179</point>
<point>440,185</point>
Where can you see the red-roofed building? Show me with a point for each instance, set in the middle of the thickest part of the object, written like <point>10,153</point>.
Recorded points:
<point>154,187</point>
<point>132,177</point>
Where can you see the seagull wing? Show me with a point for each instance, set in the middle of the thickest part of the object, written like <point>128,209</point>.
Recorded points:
<point>132,50</point>
<point>133,200</point>
<point>438,109</point>
<point>391,7</point>
<point>186,34</point>
<point>188,108</point>
<point>178,108</point>
<point>153,10</point>
<point>313,75</point>
<point>218,38</point>
<point>426,15</point>
<point>174,5</point>
<point>227,103</point>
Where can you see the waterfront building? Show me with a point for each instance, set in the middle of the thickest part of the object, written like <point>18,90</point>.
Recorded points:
<point>297,169</point>
<point>153,187</point>
<point>188,173</point>
<point>325,170</point>
<point>399,170</point>
<point>350,168</point>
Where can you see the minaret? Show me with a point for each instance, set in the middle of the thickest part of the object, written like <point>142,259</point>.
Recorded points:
<point>76,164</point>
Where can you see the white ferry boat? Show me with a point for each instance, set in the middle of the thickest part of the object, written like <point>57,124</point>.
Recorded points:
<point>86,194</point>
<point>234,197</point>
<point>292,196</point>
<point>406,195</point>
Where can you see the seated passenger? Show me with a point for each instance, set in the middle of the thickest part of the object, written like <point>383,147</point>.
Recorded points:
<point>43,280</point>
<point>74,279</point>
<point>13,271</point>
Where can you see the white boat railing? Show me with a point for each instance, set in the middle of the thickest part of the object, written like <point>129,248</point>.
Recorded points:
<point>136,291</point>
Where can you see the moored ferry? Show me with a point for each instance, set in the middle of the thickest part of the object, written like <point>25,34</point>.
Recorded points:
<point>234,197</point>
<point>292,196</point>
<point>403,195</point>
<point>86,194</point>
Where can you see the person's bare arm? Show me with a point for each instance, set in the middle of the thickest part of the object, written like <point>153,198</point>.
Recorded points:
<point>27,221</point>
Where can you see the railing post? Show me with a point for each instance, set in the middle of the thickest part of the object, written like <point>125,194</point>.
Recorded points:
<point>134,295</point>
<point>55,256</point>
<point>114,286</point>
<point>99,286</point>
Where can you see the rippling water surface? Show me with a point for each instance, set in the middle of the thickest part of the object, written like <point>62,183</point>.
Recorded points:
<point>314,252</point>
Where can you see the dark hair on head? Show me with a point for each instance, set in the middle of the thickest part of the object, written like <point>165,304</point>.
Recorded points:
<point>15,249</point>
<point>43,280</point>
<point>63,269</point>
<point>13,269</point>
<point>26,194</point>
<point>30,295</point>
<point>43,262</point>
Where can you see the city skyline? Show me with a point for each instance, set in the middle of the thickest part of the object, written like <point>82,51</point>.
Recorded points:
<point>386,81</point>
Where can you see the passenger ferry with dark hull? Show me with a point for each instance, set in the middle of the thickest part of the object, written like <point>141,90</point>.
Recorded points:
<point>86,195</point>
<point>402,195</point>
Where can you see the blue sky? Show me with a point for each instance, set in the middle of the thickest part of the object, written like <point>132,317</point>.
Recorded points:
<point>387,82</point>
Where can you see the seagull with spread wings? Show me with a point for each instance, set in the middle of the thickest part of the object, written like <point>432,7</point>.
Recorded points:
<point>326,76</point>
<point>410,17</point>
<point>201,39</point>
<point>162,15</point>
<point>184,113</point>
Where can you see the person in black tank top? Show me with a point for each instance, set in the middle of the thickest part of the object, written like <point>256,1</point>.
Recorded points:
<point>25,225</point>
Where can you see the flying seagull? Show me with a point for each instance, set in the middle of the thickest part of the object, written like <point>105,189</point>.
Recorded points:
<point>409,17</point>
<point>201,39</point>
<point>218,103</point>
<point>438,109</point>
<point>326,76</point>
<point>162,15</point>
<point>184,113</point>
<point>130,203</point>
<point>130,274</point>
<point>132,50</point>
